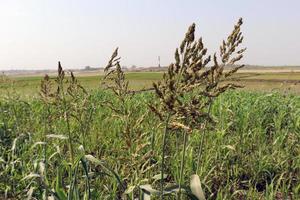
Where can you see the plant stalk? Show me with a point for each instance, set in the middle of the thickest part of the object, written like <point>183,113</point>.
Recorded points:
<point>202,140</point>
<point>163,157</point>
<point>182,164</point>
<point>70,138</point>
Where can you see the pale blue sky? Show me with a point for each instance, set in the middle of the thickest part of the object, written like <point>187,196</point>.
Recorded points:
<point>35,34</point>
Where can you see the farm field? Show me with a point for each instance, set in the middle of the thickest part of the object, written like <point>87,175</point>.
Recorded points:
<point>255,80</point>
<point>250,152</point>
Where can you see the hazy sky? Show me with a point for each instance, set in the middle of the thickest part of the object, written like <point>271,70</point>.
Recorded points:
<point>35,34</point>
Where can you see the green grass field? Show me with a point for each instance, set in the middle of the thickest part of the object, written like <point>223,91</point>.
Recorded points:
<point>99,146</point>
<point>265,82</point>
<point>252,152</point>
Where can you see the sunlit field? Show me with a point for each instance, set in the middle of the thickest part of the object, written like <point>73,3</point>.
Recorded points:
<point>252,81</point>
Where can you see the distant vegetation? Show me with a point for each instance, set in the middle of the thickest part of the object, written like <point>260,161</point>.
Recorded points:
<point>253,81</point>
<point>189,136</point>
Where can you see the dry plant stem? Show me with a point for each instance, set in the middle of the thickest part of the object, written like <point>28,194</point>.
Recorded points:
<point>163,156</point>
<point>182,164</point>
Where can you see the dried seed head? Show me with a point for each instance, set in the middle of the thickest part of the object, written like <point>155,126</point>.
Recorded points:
<point>189,38</point>
<point>188,87</point>
<point>60,71</point>
<point>59,68</point>
<point>112,60</point>
<point>190,35</point>
<point>116,77</point>
<point>177,59</point>
<point>73,79</point>
<point>45,90</point>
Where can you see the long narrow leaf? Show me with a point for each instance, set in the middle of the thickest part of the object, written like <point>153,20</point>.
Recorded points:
<point>101,163</point>
<point>59,186</point>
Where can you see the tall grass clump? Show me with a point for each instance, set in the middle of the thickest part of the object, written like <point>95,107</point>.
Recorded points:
<point>61,168</point>
<point>135,155</point>
<point>189,88</point>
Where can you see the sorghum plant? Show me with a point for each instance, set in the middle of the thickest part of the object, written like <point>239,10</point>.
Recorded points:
<point>190,86</point>
<point>135,159</point>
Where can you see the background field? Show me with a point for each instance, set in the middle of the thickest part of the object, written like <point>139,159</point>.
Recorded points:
<point>252,80</point>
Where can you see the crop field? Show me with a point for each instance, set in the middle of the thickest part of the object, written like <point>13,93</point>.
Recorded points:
<point>251,152</point>
<point>191,132</point>
<point>28,86</point>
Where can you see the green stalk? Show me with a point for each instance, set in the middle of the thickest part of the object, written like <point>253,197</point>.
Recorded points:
<point>163,156</point>
<point>70,138</point>
<point>67,121</point>
<point>200,151</point>
<point>202,140</point>
<point>85,126</point>
<point>182,164</point>
<point>45,146</point>
<point>45,176</point>
<point>152,141</point>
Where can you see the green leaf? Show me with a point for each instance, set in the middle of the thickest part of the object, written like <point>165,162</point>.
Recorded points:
<point>73,192</point>
<point>101,163</point>
<point>59,190</point>
<point>130,189</point>
<point>87,192</point>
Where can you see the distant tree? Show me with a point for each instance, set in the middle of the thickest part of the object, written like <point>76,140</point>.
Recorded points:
<point>87,68</point>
